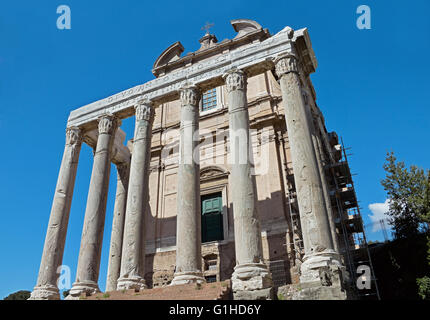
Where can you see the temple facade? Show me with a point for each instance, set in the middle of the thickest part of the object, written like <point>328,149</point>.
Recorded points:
<point>231,174</point>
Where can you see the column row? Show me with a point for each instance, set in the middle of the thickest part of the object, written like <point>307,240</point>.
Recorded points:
<point>127,254</point>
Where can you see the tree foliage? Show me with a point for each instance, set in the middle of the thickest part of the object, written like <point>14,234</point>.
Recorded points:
<point>66,293</point>
<point>408,192</point>
<point>19,295</point>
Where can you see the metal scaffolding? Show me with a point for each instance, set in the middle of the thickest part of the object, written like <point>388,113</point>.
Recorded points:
<point>349,221</point>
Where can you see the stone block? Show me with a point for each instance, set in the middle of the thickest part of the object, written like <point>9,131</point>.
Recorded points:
<point>262,294</point>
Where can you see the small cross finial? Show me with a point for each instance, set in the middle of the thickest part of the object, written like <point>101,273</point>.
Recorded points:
<point>207,26</point>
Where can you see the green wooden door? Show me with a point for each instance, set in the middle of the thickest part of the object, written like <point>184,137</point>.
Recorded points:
<point>212,228</point>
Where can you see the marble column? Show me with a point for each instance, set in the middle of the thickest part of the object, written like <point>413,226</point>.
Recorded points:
<point>188,225</point>
<point>318,244</point>
<point>52,257</point>
<point>132,275</point>
<point>250,272</point>
<point>92,233</point>
<point>114,266</point>
<point>321,160</point>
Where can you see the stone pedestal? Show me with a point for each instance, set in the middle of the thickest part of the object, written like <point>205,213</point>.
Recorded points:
<point>250,273</point>
<point>52,257</point>
<point>188,234</point>
<point>132,274</point>
<point>114,266</point>
<point>317,239</point>
<point>92,234</point>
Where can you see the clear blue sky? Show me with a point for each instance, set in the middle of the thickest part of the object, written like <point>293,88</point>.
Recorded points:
<point>372,86</point>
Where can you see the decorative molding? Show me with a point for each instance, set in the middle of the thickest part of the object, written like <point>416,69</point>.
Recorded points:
<point>212,172</point>
<point>285,64</point>
<point>73,136</point>
<point>144,111</point>
<point>172,53</point>
<point>189,95</point>
<point>207,41</point>
<point>235,79</point>
<point>245,26</point>
<point>107,124</point>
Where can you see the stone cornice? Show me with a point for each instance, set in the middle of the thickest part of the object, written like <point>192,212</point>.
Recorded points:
<point>254,58</point>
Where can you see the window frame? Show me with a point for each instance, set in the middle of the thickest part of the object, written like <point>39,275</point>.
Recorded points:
<point>219,102</point>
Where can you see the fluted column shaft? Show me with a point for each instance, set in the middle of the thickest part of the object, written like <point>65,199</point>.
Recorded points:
<point>114,266</point>
<point>188,225</point>
<point>52,257</point>
<point>133,249</point>
<point>315,225</point>
<point>247,234</point>
<point>92,233</point>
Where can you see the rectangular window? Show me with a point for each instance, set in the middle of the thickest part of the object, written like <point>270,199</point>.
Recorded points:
<point>212,225</point>
<point>209,100</point>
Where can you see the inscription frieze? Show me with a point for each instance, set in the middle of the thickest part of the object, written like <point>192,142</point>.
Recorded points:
<point>242,57</point>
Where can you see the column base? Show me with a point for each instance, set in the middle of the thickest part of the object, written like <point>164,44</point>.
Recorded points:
<point>137,283</point>
<point>86,288</point>
<point>187,277</point>
<point>45,292</point>
<point>315,291</point>
<point>252,281</point>
<point>322,278</point>
<point>315,265</point>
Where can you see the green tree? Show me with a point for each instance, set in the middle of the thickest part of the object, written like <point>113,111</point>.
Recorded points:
<point>424,282</point>
<point>66,293</point>
<point>19,295</point>
<point>407,190</point>
<point>409,194</point>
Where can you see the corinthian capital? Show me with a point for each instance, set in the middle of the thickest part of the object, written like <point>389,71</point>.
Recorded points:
<point>107,124</point>
<point>73,136</point>
<point>145,110</point>
<point>189,96</point>
<point>235,80</point>
<point>285,64</point>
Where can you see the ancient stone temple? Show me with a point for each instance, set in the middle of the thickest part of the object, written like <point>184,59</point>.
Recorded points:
<point>231,174</point>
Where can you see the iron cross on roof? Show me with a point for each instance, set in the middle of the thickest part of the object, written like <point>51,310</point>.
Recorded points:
<point>207,26</point>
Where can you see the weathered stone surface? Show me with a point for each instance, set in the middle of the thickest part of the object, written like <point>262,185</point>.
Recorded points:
<point>115,252</point>
<point>250,271</point>
<point>262,294</point>
<point>92,233</point>
<point>255,55</point>
<point>53,250</point>
<point>133,251</point>
<point>154,264</point>
<point>315,225</point>
<point>188,235</point>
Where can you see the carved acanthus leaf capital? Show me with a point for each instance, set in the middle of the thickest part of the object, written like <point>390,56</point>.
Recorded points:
<point>107,124</point>
<point>286,64</point>
<point>123,170</point>
<point>145,110</point>
<point>235,80</point>
<point>189,95</point>
<point>73,136</point>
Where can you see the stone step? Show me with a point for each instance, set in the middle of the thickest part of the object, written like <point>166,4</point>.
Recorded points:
<point>206,291</point>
